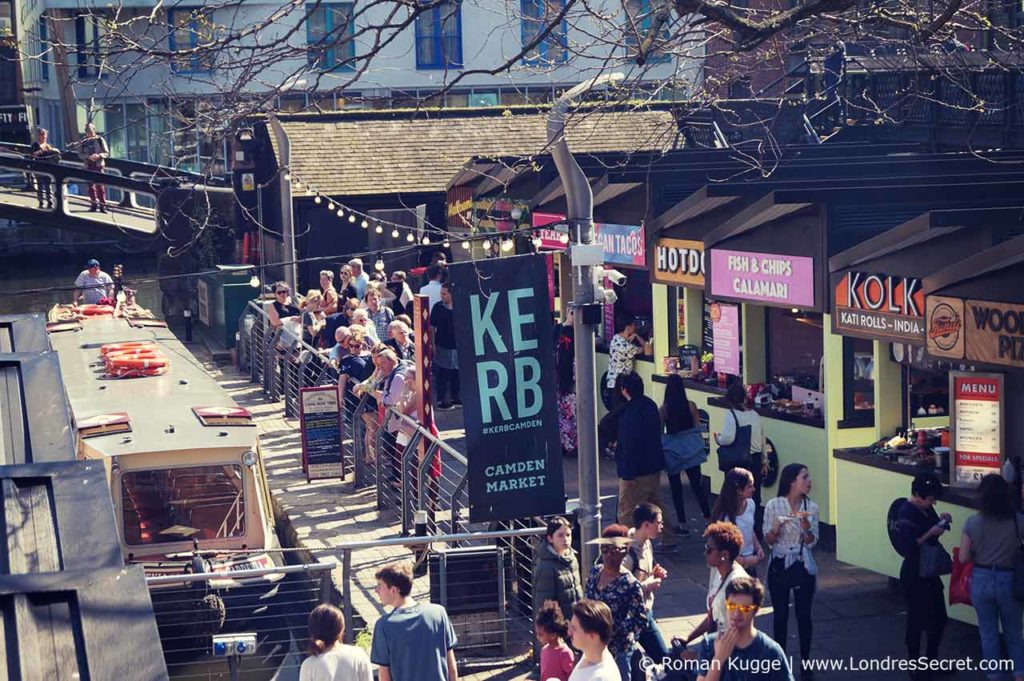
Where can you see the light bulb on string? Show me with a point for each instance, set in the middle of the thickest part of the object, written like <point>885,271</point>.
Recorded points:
<point>537,242</point>
<point>486,244</point>
<point>364,224</point>
<point>378,229</point>
<point>410,238</point>
<point>298,186</point>
<point>563,238</point>
<point>317,200</point>
<point>254,281</point>
<point>379,265</point>
<point>506,245</point>
<point>446,244</point>
<point>394,233</point>
<point>426,240</point>
<point>330,205</point>
<point>287,176</point>
<point>465,245</point>
<point>352,217</point>
<point>341,213</point>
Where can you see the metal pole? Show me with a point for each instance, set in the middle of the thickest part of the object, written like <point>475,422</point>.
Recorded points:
<point>580,209</point>
<point>287,208</point>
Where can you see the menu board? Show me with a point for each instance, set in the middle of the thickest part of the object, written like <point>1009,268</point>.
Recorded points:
<point>725,319</point>
<point>977,426</point>
<point>320,421</point>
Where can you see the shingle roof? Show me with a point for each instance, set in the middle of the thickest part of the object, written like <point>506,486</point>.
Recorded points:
<point>402,154</point>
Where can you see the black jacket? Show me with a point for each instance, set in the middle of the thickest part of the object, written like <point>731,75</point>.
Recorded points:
<point>639,451</point>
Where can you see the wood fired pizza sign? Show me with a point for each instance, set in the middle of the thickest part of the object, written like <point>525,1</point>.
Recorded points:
<point>879,306</point>
<point>976,330</point>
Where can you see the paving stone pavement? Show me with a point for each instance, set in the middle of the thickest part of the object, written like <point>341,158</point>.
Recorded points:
<point>857,614</point>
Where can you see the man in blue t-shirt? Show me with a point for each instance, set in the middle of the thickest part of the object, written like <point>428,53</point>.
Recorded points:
<point>741,652</point>
<point>415,641</point>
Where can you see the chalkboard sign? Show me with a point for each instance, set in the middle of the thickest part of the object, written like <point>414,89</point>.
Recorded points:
<point>686,355</point>
<point>320,421</point>
<point>707,330</point>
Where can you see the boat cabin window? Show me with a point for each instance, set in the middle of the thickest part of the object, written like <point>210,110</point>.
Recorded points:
<point>180,504</point>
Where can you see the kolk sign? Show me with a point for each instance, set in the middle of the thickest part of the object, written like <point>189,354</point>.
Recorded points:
<point>879,306</point>
<point>679,262</point>
<point>506,357</point>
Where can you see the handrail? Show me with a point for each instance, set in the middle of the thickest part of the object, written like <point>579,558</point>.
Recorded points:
<point>190,577</point>
<point>455,454</point>
<point>788,74</point>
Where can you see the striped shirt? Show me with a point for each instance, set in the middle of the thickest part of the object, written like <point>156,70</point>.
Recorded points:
<point>381,319</point>
<point>94,288</point>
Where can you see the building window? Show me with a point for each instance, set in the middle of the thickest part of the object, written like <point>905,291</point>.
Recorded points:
<point>89,34</point>
<point>329,36</point>
<point>44,48</point>
<point>639,19</point>
<point>858,380</point>
<point>929,391</point>
<point>796,344</point>
<point>189,31</point>
<point>537,16</point>
<point>439,37</point>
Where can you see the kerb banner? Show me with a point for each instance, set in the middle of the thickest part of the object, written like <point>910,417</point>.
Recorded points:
<point>505,345</point>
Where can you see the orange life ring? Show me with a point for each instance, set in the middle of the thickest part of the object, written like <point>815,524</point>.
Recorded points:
<point>95,310</point>
<point>140,363</point>
<point>128,345</point>
<point>138,354</point>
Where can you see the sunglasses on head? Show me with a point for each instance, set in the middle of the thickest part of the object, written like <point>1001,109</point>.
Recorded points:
<point>740,607</point>
<point>611,548</point>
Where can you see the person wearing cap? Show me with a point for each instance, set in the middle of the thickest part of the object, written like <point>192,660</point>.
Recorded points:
<point>360,280</point>
<point>92,284</point>
<point>917,524</point>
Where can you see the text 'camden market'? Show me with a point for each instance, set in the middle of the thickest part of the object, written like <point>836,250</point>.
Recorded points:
<point>822,299</point>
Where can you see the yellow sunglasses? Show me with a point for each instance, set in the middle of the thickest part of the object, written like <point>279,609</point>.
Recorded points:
<point>741,607</point>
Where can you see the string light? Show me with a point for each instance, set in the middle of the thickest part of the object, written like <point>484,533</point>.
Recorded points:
<point>506,245</point>
<point>486,244</point>
<point>287,177</point>
<point>410,238</point>
<point>446,244</point>
<point>379,265</point>
<point>537,242</point>
<point>352,217</point>
<point>364,224</point>
<point>254,281</point>
<point>330,205</point>
<point>394,233</point>
<point>317,200</point>
<point>378,229</point>
<point>563,238</point>
<point>341,213</point>
<point>465,245</point>
<point>426,240</point>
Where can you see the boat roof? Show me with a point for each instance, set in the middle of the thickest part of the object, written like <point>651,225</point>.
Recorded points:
<point>159,408</point>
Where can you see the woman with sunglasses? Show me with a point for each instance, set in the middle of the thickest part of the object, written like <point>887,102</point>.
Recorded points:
<point>616,587</point>
<point>355,368</point>
<point>722,544</point>
<point>281,307</point>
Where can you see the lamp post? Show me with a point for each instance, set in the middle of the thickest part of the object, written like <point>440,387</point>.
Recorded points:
<point>580,214</point>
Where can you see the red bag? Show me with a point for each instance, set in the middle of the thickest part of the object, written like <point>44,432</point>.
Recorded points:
<point>960,580</point>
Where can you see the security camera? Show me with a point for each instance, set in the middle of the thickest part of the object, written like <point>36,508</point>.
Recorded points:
<point>616,277</point>
<point>606,296</point>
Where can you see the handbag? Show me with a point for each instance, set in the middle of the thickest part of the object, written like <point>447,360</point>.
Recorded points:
<point>1018,566</point>
<point>737,453</point>
<point>960,580</point>
<point>683,450</point>
<point>935,561</point>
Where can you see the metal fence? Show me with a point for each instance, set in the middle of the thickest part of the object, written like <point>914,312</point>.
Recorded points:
<point>482,573</point>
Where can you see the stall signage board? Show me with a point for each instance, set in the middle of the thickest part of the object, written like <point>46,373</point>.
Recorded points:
<point>320,421</point>
<point>725,320</point>
<point>622,244</point>
<point>763,277</point>
<point>976,422</point>
<point>504,341</point>
<point>679,262</point>
<point>976,330</point>
<point>879,306</point>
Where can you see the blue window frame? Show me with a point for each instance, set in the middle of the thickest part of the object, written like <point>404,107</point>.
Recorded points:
<point>189,29</point>
<point>642,15</point>
<point>439,37</point>
<point>329,36</point>
<point>537,14</point>
<point>88,36</point>
<point>44,48</point>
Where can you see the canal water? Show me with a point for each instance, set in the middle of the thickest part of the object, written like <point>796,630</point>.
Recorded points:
<point>34,283</point>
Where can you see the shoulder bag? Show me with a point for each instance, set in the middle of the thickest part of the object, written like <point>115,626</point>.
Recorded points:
<point>1018,565</point>
<point>737,453</point>
<point>934,560</point>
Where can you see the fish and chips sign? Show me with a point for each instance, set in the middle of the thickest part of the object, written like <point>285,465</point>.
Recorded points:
<point>506,361</point>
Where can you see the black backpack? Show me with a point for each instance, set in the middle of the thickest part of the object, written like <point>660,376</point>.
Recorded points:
<point>892,523</point>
